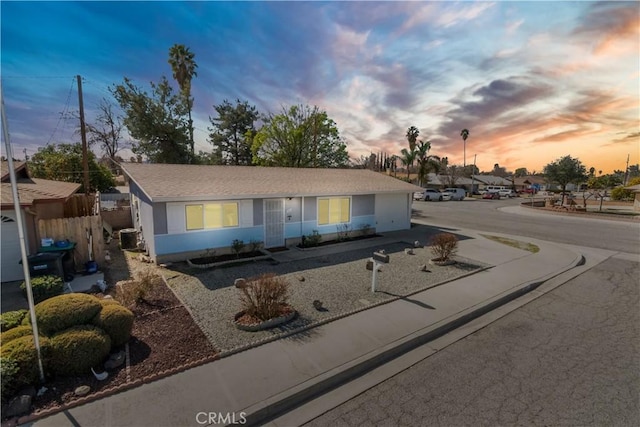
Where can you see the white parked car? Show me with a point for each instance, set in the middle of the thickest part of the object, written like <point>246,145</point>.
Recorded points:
<point>455,193</point>
<point>428,194</point>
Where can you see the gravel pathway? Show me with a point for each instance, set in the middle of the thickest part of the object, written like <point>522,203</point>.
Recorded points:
<point>340,281</point>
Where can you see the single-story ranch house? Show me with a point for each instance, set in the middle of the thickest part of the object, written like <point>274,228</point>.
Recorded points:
<point>182,210</point>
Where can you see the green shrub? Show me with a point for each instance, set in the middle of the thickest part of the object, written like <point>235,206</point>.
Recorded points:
<point>11,319</point>
<point>23,352</point>
<point>8,373</point>
<point>237,246</point>
<point>619,193</point>
<point>312,239</point>
<point>59,313</point>
<point>14,333</point>
<point>44,287</point>
<point>76,350</point>
<point>116,321</point>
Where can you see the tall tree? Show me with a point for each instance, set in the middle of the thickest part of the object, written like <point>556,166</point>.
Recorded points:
<point>106,132</point>
<point>407,158</point>
<point>412,137</point>
<point>564,171</point>
<point>426,162</point>
<point>300,136</point>
<point>183,65</point>
<point>231,133</point>
<point>63,162</point>
<point>464,133</point>
<point>520,172</point>
<point>156,121</point>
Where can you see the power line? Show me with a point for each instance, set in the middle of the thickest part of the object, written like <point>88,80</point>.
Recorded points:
<point>63,113</point>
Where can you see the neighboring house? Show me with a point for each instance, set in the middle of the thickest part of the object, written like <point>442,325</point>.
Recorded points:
<point>531,182</point>
<point>636,196</point>
<point>485,180</point>
<point>39,199</point>
<point>183,210</point>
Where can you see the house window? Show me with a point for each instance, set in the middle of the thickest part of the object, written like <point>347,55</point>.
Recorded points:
<point>211,215</point>
<point>334,210</point>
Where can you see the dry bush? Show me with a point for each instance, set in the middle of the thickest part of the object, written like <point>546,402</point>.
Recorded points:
<point>134,291</point>
<point>264,296</point>
<point>444,246</point>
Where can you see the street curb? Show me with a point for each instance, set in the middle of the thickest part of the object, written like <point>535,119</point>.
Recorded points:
<point>275,406</point>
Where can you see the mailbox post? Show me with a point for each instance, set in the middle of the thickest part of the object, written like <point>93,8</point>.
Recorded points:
<point>379,258</point>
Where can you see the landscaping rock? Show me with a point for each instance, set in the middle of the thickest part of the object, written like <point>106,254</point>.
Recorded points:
<point>83,390</point>
<point>408,251</point>
<point>424,268</point>
<point>240,283</point>
<point>116,360</point>
<point>301,278</point>
<point>18,405</point>
<point>107,297</point>
<point>417,244</point>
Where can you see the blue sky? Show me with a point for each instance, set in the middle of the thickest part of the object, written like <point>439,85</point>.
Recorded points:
<point>532,81</point>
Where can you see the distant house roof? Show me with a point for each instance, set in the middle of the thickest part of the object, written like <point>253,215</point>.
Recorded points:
<point>530,180</point>
<point>492,180</point>
<point>634,188</point>
<point>31,189</point>
<point>165,182</point>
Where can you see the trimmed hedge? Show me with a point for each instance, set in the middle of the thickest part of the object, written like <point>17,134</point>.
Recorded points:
<point>23,351</point>
<point>44,287</point>
<point>76,350</point>
<point>59,313</point>
<point>8,372</point>
<point>11,319</point>
<point>116,321</point>
<point>14,333</point>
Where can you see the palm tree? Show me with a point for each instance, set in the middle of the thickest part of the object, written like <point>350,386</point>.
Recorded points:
<point>412,137</point>
<point>407,158</point>
<point>426,162</point>
<point>464,133</point>
<point>183,65</point>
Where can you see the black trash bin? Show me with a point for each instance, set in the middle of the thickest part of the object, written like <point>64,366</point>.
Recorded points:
<point>44,264</point>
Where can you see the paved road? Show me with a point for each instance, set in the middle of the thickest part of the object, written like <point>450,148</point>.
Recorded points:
<point>571,357</point>
<point>483,215</point>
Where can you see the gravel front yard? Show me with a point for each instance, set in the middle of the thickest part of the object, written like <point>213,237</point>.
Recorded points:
<point>340,281</point>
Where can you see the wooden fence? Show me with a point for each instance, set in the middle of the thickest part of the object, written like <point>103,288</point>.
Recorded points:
<point>75,230</point>
<point>80,205</point>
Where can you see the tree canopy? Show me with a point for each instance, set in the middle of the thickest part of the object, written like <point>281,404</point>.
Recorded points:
<point>157,121</point>
<point>300,136</point>
<point>564,171</point>
<point>183,65</point>
<point>107,130</point>
<point>232,132</point>
<point>63,162</point>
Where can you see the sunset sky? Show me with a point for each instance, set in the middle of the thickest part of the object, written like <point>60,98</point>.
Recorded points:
<point>532,81</point>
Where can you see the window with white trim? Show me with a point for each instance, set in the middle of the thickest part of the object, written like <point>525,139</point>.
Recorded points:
<point>211,215</point>
<point>334,210</point>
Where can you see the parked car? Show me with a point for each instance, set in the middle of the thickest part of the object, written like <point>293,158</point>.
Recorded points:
<point>455,193</point>
<point>491,195</point>
<point>445,196</point>
<point>428,194</point>
<point>508,193</point>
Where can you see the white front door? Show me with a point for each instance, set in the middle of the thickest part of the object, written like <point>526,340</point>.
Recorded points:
<point>273,223</point>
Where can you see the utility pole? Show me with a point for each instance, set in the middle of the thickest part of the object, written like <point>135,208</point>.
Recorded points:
<point>83,134</point>
<point>626,172</point>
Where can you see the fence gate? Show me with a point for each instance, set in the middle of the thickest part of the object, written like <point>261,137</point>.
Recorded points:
<point>273,223</point>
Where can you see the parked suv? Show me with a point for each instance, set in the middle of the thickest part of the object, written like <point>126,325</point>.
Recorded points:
<point>428,194</point>
<point>508,193</point>
<point>456,193</point>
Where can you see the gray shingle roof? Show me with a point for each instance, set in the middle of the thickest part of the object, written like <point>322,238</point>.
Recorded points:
<point>165,182</point>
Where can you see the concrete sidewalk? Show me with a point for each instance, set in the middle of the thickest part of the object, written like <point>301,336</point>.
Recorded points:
<point>261,383</point>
